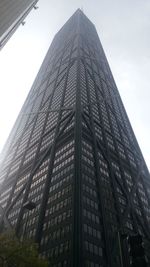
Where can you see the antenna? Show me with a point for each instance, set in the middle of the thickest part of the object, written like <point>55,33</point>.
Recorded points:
<point>82,9</point>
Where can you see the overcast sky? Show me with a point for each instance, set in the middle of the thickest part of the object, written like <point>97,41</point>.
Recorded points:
<point>124,29</point>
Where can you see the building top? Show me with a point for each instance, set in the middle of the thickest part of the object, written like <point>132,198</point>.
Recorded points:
<point>76,16</point>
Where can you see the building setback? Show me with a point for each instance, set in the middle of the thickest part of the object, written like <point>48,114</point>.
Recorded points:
<point>12,14</point>
<point>72,152</point>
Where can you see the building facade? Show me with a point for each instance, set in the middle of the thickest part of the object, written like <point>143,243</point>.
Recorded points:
<point>72,152</point>
<point>12,14</point>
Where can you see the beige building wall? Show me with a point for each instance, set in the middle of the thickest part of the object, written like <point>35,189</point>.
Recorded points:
<point>12,13</point>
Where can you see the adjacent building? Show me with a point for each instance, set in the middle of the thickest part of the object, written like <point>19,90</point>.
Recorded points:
<point>12,14</point>
<point>74,177</point>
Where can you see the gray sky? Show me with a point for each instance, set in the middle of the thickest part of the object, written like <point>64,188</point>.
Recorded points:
<point>124,29</point>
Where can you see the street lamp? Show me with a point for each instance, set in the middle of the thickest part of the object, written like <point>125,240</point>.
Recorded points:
<point>29,205</point>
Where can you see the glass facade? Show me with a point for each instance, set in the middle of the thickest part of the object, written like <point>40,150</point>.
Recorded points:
<point>73,153</point>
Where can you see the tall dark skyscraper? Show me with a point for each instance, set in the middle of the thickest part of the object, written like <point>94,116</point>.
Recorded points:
<point>72,152</point>
<point>12,14</point>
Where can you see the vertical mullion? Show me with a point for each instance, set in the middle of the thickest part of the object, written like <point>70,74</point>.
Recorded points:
<point>77,202</point>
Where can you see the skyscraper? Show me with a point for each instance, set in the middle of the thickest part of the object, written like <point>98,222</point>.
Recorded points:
<point>12,14</point>
<point>72,153</point>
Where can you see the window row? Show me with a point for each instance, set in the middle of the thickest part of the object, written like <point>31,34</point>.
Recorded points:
<point>62,192</point>
<point>62,172</point>
<point>57,207</point>
<point>94,249</point>
<point>90,203</point>
<point>63,163</point>
<point>91,216</point>
<point>58,219</point>
<point>60,249</point>
<point>64,155</point>
<point>92,231</point>
<point>61,183</point>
